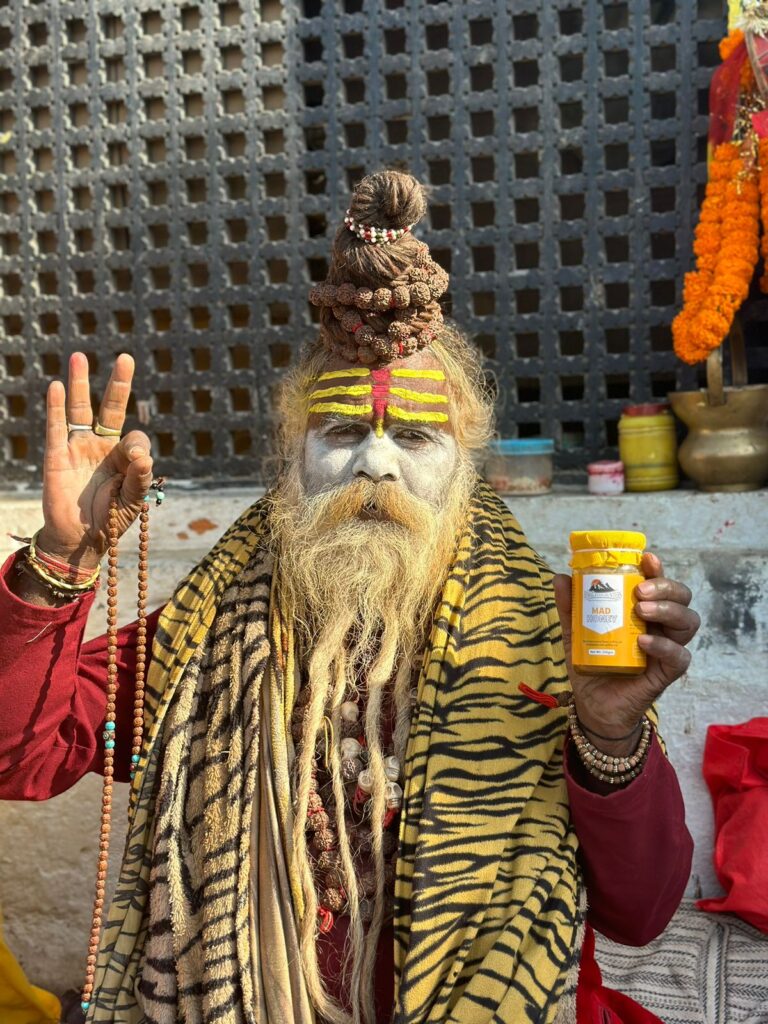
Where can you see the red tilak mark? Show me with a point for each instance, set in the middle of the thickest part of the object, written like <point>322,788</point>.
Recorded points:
<point>541,698</point>
<point>380,389</point>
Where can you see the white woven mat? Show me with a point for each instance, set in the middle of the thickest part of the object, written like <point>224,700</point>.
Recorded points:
<point>704,969</point>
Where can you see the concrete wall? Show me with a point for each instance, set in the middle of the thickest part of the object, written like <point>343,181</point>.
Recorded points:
<point>715,543</point>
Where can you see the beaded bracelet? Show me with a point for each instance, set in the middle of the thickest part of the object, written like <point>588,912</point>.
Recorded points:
<point>56,589</point>
<point>68,571</point>
<point>51,570</point>
<point>46,576</point>
<point>606,767</point>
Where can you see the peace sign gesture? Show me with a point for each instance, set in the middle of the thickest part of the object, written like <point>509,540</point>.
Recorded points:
<point>83,470</point>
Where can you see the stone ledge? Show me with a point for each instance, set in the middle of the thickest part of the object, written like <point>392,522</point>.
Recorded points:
<point>193,518</point>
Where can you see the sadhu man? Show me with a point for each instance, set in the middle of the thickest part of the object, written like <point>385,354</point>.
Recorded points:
<point>345,808</point>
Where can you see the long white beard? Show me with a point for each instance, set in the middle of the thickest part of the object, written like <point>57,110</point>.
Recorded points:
<point>360,569</point>
<point>367,557</point>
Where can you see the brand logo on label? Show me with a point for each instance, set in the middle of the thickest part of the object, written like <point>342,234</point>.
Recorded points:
<point>605,590</point>
<point>603,603</point>
<point>599,587</point>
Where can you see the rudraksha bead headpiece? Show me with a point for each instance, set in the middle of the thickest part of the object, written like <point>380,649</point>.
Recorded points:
<point>380,300</point>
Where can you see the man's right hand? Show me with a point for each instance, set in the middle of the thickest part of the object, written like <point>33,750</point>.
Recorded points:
<point>82,471</point>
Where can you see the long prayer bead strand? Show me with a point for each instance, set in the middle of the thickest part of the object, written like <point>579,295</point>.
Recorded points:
<point>109,723</point>
<point>141,638</point>
<point>332,898</point>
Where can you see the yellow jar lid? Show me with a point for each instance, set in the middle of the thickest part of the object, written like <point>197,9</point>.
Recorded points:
<point>604,549</point>
<point>590,540</point>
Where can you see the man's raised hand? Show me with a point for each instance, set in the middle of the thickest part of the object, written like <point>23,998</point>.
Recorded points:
<point>82,470</point>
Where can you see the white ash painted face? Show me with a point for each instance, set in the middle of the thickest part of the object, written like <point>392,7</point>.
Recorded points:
<point>391,425</point>
<point>339,450</point>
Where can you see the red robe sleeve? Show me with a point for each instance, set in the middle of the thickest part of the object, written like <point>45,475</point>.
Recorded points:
<point>635,848</point>
<point>53,695</point>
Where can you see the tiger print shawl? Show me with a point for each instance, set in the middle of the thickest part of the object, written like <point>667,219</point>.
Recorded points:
<point>489,912</point>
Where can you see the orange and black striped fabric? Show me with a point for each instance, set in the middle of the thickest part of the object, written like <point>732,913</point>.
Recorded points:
<point>202,927</point>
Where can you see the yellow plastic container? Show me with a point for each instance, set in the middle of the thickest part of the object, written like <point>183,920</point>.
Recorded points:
<point>648,447</point>
<point>605,625</point>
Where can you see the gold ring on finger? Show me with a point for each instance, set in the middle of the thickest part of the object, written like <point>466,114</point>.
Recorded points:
<point>104,431</point>
<point>78,426</point>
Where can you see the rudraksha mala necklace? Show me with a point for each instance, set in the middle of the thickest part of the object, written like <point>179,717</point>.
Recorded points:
<point>109,725</point>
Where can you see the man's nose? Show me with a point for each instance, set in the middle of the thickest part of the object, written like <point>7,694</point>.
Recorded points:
<point>376,459</point>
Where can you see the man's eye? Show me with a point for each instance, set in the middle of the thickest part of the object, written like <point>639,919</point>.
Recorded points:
<point>413,436</point>
<point>352,430</point>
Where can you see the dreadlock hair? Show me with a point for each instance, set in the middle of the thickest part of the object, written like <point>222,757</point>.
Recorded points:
<point>388,199</point>
<point>380,301</point>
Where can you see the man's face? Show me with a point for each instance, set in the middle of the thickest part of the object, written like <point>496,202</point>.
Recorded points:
<point>387,426</point>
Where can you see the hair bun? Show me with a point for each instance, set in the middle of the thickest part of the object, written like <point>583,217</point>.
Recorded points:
<point>380,300</point>
<point>388,199</point>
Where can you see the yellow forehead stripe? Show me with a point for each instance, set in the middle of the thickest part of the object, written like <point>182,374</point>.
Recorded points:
<point>357,371</point>
<point>396,413</point>
<point>419,374</point>
<point>428,397</point>
<point>380,388</point>
<point>340,390</point>
<point>340,409</point>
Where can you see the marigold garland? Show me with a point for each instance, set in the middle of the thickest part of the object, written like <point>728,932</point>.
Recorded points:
<point>732,233</point>
<point>731,42</point>
<point>726,248</point>
<point>762,157</point>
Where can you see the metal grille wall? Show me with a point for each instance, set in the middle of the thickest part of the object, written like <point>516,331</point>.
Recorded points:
<point>172,172</point>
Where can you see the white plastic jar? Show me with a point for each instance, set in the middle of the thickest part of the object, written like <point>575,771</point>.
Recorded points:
<point>605,477</point>
<point>520,465</point>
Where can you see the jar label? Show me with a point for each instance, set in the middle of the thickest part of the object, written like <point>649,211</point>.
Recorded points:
<point>605,622</point>
<point>603,602</point>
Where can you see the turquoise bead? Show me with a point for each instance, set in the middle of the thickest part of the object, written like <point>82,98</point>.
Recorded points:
<point>160,497</point>
<point>109,744</point>
<point>84,1007</point>
<point>109,726</point>
<point>135,758</point>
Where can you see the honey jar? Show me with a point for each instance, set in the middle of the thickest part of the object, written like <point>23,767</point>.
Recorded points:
<point>605,624</point>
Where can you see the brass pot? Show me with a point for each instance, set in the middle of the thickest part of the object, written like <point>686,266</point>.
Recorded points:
<point>727,444</point>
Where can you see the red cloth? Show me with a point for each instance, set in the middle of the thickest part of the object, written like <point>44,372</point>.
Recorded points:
<point>736,772</point>
<point>724,89</point>
<point>635,848</point>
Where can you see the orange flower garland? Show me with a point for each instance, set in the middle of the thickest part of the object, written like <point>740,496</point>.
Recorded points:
<point>727,45</point>
<point>732,233</point>
<point>762,157</point>
<point>726,247</point>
